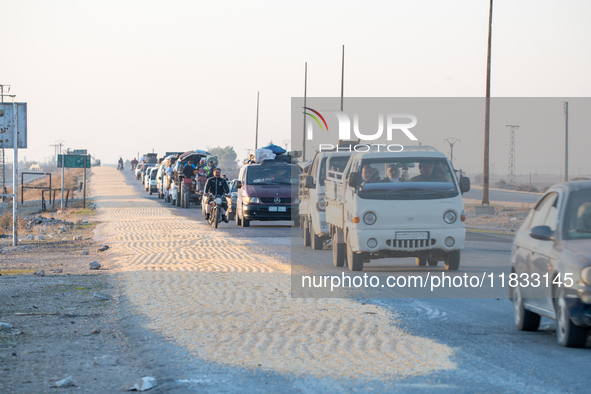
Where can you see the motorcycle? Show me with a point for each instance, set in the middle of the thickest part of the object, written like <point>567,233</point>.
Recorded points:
<point>215,213</point>
<point>120,167</point>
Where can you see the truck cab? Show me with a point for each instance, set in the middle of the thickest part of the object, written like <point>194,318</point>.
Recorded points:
<point>396,204</point>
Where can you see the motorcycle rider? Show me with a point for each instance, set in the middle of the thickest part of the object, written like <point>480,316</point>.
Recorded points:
<point>120,164</point>
<point>217,186</point>
<point>133,164</point>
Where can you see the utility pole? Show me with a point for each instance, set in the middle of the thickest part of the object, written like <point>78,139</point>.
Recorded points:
<point>60,143</point>
<point>305,97</point>
<point>2,153</point>
<point>487,112</point>
<point>342,77</point>
<point>512,153</point>
<point>256,139</point>
<point>451,141</point>
<point>565,106</point>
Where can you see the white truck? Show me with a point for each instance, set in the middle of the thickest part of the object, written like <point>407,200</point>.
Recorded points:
<point>393,205</point>
<point>311,194</point>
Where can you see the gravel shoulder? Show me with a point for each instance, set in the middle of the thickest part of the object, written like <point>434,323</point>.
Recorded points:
<point>59,325</point>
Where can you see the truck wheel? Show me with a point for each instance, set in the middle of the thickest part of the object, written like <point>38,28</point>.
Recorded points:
<point>338,253</point>
<point>186,199</point>
<point>524,319</point>
<point>317,242</point>
<point>245,222</point>
<point>421,261</point>
<point>568,334</point>
<point>238,221</point>
<point>306,230</point>
<point>452,261</point>
<point>432,263</point>
<point>354,260</point>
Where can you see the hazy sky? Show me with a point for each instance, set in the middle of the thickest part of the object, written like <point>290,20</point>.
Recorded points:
<point>118,77</point>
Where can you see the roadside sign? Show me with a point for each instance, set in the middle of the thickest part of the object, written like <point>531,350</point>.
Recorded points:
<point>73,161</point>
<point>79,152</point>
<point>7,125</point>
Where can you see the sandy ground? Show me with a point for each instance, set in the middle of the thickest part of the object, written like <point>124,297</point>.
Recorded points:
<point>212,295</point>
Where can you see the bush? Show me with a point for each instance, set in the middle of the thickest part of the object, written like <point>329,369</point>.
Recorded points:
<point>501,184</point>
<point>526,188</point>
<point>6,219</point>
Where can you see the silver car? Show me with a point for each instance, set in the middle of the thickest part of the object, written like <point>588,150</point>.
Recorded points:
<point>551,264</point>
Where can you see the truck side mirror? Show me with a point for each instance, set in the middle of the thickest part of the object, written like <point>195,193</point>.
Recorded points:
<point>464,184</point>
<point>238,185</point>
<point>309,182</point>
<point>353,179</point>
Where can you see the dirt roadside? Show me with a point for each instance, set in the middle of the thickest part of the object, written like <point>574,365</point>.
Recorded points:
<point>63,320</point>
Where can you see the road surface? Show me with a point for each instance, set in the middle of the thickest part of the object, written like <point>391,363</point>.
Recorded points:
<point>497,195</point>
<point>212,311</point>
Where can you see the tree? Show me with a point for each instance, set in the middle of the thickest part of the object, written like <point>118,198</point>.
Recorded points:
<point>226,156</point>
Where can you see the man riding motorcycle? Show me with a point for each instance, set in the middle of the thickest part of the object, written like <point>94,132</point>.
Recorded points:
<point>217,186</point>
<point>133,164</point>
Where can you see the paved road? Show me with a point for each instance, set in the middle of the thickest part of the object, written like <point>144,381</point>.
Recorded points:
<point>491,355</point>
<point>495,195</point>
<point>487,353</point>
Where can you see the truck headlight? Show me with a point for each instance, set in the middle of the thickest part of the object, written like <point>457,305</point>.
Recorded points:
<point>372,243</point>
<point>252,200</point>
<point>586,275</point>
<point>450,217</point>
<point>370,218</point>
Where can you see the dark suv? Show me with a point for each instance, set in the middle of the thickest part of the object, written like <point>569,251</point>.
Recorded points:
<point>267,191</point>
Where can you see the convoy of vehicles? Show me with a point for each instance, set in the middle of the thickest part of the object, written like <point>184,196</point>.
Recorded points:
<point>374,205</point>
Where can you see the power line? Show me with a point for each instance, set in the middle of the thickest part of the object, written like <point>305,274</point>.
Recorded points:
<point>451,141</point>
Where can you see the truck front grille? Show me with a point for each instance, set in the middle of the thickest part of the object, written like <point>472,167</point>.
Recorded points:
<point>411,243</point>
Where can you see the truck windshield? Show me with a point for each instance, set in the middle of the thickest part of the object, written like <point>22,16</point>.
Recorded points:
<point>272,175</point>
<point>406,179</point>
